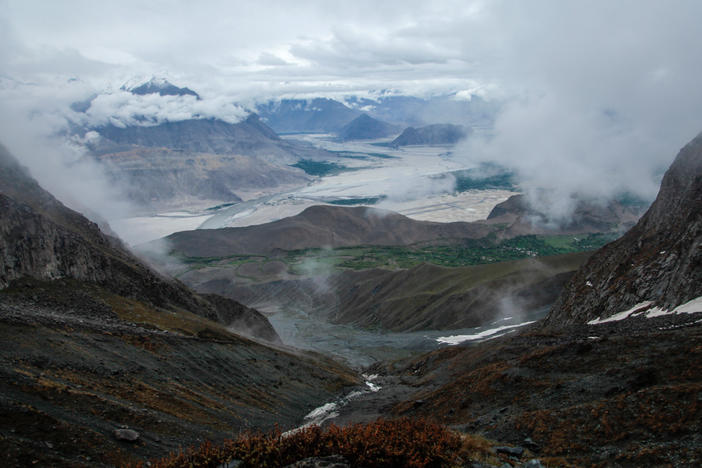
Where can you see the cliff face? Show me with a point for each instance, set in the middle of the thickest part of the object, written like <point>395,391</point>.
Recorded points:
<point>43,239</point>
<point>658,260</point>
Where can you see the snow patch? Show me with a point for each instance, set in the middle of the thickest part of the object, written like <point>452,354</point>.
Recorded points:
<point>638,308</point>
<point>456,339</point>
<point>690,307</point>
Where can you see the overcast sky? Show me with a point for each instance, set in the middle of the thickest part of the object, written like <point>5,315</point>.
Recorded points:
<point>595,88</point>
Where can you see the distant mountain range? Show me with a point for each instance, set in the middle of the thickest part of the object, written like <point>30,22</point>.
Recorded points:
<point>324,115</point>
<point>318,115</point>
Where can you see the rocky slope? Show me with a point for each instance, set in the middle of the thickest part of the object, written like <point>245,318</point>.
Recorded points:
<point>175,163</point>
<point>658,262</point>
<point>41,238</point>
<point>97,342</point>
<point>320,226</point>
<point>436,134</point>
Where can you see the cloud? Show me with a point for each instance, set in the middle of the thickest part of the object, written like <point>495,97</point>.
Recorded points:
<point>122,108</point>
<point>603,96</point>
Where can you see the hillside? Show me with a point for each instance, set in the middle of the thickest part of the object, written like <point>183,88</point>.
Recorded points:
<point>45,240</point>
<point>582,391</point>
<point>100,349</point>
<point>320,226</point>
<point>208,160</point>
<point>436,134</point>
<point>426,297</point>
<point>365,127</point>
<point>658,263</point>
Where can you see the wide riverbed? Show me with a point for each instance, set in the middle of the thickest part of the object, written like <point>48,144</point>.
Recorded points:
<point>413,181</point>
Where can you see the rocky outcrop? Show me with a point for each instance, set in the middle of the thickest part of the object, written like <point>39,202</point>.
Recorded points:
<point>658,260</point>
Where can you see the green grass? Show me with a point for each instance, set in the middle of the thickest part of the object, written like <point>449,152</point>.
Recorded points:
<point>465,253</point>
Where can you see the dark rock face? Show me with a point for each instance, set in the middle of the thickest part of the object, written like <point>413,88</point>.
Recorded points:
<point>42,239</point>
<point>365,127</point>
<point>437,134</point>
<point>659,259</point>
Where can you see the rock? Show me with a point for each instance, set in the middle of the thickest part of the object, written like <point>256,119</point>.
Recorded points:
<point>332,461</point>
<point>531,445</point>
<point>533,463</point>
<point>512,451</point>
<point>126,435</point>
<point>231,464</point>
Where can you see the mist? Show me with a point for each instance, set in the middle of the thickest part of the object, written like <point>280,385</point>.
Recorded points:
<point>602,97</point>
<point>37,138</point>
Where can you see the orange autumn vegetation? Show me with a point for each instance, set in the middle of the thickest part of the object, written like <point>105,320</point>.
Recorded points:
<point>395,443</point>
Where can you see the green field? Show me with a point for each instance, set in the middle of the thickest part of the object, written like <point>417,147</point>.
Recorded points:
<point>465,253</point>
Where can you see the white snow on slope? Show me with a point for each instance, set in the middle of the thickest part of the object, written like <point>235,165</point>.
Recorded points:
<point>456,339</point>
<point>690,307</point>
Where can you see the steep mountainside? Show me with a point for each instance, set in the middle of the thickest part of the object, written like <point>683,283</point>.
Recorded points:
<point>104,361</point>
<point>43,239</point>
<point>365,127</point>
<point>320,226</point>
<point>658,262</point>
<point>319,115</point>
<point>437,134</point>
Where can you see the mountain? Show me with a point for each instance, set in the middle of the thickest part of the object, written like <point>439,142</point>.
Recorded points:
<point>318,226</point>
<point>318,115</point>
<point>656,264</point>
<point>43,239</point>
<point>365,127</point>
<point>584,390</point>
<point>179,163</point>
<point>199,136</point>
<point>419,111</point>
<point>437,134</point>
<point>100,350</point>
<point>162,87</point>
<point>517,217</point>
